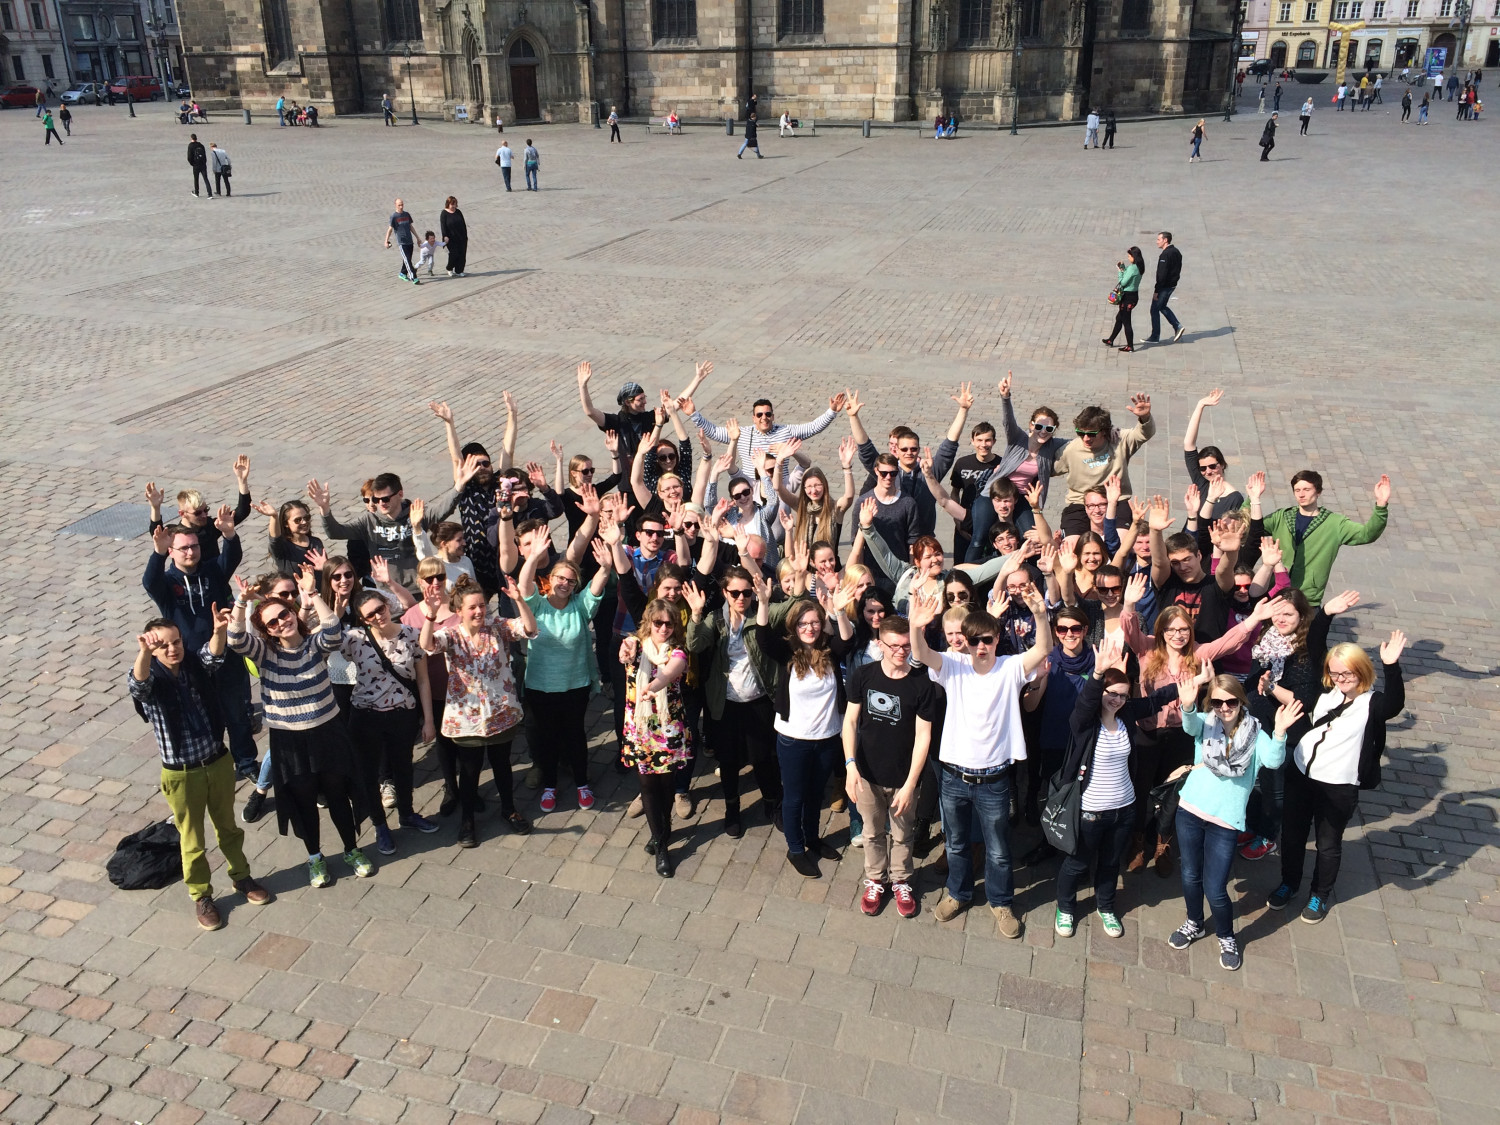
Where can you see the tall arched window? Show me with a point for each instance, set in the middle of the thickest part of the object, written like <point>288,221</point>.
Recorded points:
<point>278,31</point>
<point>1307,53</point>
<point>801,17</point>
<point>1031,19</point>
<point>403,21</point>
<point>675,19</point>
<point>974,21</point>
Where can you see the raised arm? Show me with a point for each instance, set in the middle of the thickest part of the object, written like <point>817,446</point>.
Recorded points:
<point>526,580</point>
<point>922,612</point>
<point>965,400</point>
<point>1158,519</point>
<point>1131,533</point>
<point>847,451</point>
<point>852,407</point>
<point>242,506</point>
<point>944,499</point>
<point>578,546</point>
<point>445,415</point>
<point>1371,529</point>
<point>806,430</point>
<point>1041,647</point>
<point>585,373</point>
<point>1190,439</point>
<point>1014,435</point>
<point>508,442</point>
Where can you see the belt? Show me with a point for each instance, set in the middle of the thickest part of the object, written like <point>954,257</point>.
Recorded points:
<point>970,778</point>
<point>198,765</point>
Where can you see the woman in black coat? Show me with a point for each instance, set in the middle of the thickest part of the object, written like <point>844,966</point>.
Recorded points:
<point>1268,138</point>
<point>455,235</point>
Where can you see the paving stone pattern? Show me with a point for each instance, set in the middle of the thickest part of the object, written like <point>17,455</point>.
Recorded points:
<point>555,978</point>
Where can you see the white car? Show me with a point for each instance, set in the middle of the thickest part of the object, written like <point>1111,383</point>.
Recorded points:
<point>84,92</point>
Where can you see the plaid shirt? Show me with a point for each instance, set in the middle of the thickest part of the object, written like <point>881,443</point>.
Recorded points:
<point>199,741</point>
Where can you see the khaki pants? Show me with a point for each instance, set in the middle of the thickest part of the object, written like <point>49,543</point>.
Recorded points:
<point>191,793</point>
<point>888,837</point>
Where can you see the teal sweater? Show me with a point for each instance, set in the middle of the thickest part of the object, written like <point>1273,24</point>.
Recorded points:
<point>1129,280</point>
<point>1225,798</point>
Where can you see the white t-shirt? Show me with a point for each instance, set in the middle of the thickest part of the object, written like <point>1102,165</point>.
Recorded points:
<point>743,685</point>
<point>983,725</point>
<point>813,706</point>
<point>505,154</point>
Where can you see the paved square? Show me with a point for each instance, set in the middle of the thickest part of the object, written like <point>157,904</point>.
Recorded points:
<point>1343,294</point>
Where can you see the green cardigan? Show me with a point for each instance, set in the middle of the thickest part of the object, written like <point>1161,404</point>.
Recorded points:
<point>1310,562</point>
<point>1130,278</point>
<point>710,634</point>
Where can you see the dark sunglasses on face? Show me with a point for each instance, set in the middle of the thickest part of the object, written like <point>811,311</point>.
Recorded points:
<point>1108,589</point>
<point>383,501</point>
<point>1207,467</point>
<point>344,576</point>
<point>738,593</point>
<point>275,621</point>
<point>1070,629</point>
<point>765,414</point>
<point>1087,433</point>
<point>1231,702</point>
<point>376,613</point>
<point>649,531</point>
<point>482,464</point>
<point>885,472</point>
<point>987,639</point>
<point>434,578</point>
<point>743,495</point>
<point>690,525</point>
<point>198,511</point>
<point>906,449</point>
<point>666,455</point>
<point>586,472</point>
<point>958,595</point>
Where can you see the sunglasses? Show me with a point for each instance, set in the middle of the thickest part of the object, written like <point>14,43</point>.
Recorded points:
<point>906,449</point>
<point>481,464</point>
<point>987,639</point>
<point>383,501</point>
<point>738,593</point>
<point>1210,465</point>
<point>275,621</point>
<point>1043,427</point>
<point>368,499</point>
<point>885,472</point>
<point>434,578</point>
<point>1231,702</point>
<point>1071,629</point>
<point>765,414</point>
<point>958,595</point>
<point>198,511</point>
<point>344,576</point>
<point>1242,585</point>
<point>663,624</point>
<point>586,472</point>
<point>666,456</point>
<point>691,525</point>
<point>745,495</point>
<point>649,531</point>
<point>378,612</point>
<point>1108,589</point>
<point>1087,433</point>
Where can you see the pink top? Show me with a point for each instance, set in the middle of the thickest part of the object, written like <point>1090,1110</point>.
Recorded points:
<point>1025,473</point>
<point>1142,643</point>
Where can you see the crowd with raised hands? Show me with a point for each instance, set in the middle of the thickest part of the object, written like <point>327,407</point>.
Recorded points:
<point>1153,689</point>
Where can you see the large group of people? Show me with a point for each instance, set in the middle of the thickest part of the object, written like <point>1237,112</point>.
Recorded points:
<point>745,607</point>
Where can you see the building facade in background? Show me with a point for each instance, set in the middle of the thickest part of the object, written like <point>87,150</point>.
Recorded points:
<point>31,45</point>
<point>568,60</point>
<point>1396,33</point>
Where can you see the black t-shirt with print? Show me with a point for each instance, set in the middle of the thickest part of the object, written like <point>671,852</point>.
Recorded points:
<point>968,474</point>
<point>1203,599</point>
<point>633,429</point>
<point>887,728</point>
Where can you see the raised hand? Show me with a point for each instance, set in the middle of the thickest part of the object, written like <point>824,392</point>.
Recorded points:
<point>661,415</point>
<point>611,533</point>
<point>836,401</point>
<point>1192,500</point>
<point>786,518</point>
<point>242,472</point>
<point>1268,607</point>
<point>1390,652</point>
<point>1383,491</point>
<point>320,495</point>
<point>154,495</point>
<point>509,400</point>
<point>1111,488</point>
<point>585,373</point>
<point>926,460</point>
<point>554,448</point>
<point>535,474</point>
<point>221,616</point>
<point>224,521</point>
<point>380,570</point>
<point>148,643</point>
<point>417,512</point>
<point>1137,509</point>
<point>721,507</point>
<point>797,555</point>
<point>867,511</point>
<point>602,554</point>
<point>790,448</point>
<point>999,602</point>
<point>588,500</point>
<point>1342,603</point>
<point>1218,488</point>
<point>852,405</point>
<point>924,609</point>
<point>1159,515</point>
<point>685,404</point>
<point>1035,602</point>
<point>1140,405</point>
<point>848,447</point>
<point>540,545</point>
<point>702,370</point>
<point>1065,558</point>
<point>965,396</point>
<point>695,598</point>
<point>1110,652</point>
<point>263,507</point>
<point>1005,385</point>
<point>1270,551</point>
<point>1135,589</point>
<point>611,442</point>
<point>316,558</point>
<point>1226,535</point>
<point>763,588</point>
<point>1034,495</point>
<point>241,587</point>
<point>1212,398</point>
<point>667,402</point>
<point>1255,485</point>
<point>724,463</point>
<point>307,581</point>
<point>1205,673</point>
<point>440,409</point>
<point>512,591</point>
<point>1287,715</point>
<point>732,428</point>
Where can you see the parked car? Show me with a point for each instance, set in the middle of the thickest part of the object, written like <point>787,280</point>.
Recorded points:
<point>141,87</point>
<point>1259,68</point>
<point>20,96</point>
<point>82,93</point>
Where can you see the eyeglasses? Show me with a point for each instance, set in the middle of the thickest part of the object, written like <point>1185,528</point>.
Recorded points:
<point>691,525</point>
<point>1117,696</point>
<point>1108,589</point>
<point>765,414</point>
<point>987,639</point>
<point>275,621</point>
<point>660,457</point>
<point>203,511</point>
<point>378,611</point>
<point>434,578</point>
<point>1222,703</point>
<point>1332,675</point>
<point>664,623</point>
<point>741,495</point>
<point>560,579</point>
<point>1071,629</point>
<point>1043,427</point>
<point>187,547</point>
<point>885,472</point>
<point>737,594</point>
<point>1087,433</point>
<point>906,449</point>
<point>1178,631</point>
<point>1209,465</point>
<point>906,647</point>
<point>383,501</point>
<point>1242,585</point>
<point>649,531</point>
<point>958,595</point>
<point>485,464</point>
<point>368,500</point>
<point>1096,505</point>
<point>810,623</point>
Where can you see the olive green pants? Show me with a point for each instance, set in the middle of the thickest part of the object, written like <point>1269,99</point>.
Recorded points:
<point>191,793</point>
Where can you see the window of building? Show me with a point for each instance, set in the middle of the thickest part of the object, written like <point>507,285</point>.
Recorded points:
<point>1372,53</point>
<point>38,17</point>
<point>1031,19</point>
<point>125,29</point>
<point>1307,53</point>
<point>166,8</point>
<point>1445,9</point>
<point>8,21</point>
<point>83,26</point>
<point>47,66</point>
<point>1135,15</point>
<point>278,27</point>
<point>403,21</point>
<point>1286,12</point>
<point>974,21</point>
<point>801,17</point>
<point>1356,9</point>
<point>1411,8</point>
<point>1377,10</point>
<point>1341,10</point>
<point>18,67</point>
<point>675,19</point>
<point>1310,15</point>
<point>1496,13</point>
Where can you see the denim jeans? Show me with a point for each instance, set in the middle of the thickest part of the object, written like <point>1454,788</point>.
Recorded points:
<point>1101,844</point>
<point>1263,814</point>
<point>805,767</point>
<point>749,144</point>
<point>232,678</point>
<point>531,178</point>
<point>1159,309</point>
<point>1206,853</point>
<point>990,800</point>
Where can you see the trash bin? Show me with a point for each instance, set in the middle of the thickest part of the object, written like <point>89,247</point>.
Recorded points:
<point>729,126</point>
<point>246,112</point>
<point>867,129</point>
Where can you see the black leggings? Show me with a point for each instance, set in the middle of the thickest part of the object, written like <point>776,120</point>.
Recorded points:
<point>471,762</point>
<point>458,254</point>
<point>1320,808</point>
<point>560,735</point>
<point>1122,319</point>
<point>745,736</point>
<point>656,799</point>
<point>383,740</point>
<point>302,791</point>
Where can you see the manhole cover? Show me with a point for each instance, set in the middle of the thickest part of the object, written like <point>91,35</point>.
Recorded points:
<point>118,521</point>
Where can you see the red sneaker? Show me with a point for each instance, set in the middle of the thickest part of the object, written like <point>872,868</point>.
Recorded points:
<point>906,902</point>
<point>549,800</point>
<point>1258,848</point>
<point>585,797</point>
<point>873,894</point>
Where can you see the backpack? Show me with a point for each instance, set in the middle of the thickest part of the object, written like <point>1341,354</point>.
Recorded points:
<point>147,860</point>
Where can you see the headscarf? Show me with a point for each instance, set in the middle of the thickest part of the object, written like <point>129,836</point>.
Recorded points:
<point>1227,757</point>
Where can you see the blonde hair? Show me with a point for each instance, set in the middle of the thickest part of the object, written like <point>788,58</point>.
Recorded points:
<point>190,499</point>
<point>661,480</point>
<point>1354,658</point>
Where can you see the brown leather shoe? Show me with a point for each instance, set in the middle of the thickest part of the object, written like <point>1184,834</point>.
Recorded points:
<point>254,893</point>
<point>1006,921</point>
<point>1137,853</point>
<point>1163,858</point>
<point>208,914</point>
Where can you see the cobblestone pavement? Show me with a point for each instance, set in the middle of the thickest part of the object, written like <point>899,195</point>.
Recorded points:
<point>1339,293</point>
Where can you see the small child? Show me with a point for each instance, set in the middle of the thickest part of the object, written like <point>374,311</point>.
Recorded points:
<point>425,250</point>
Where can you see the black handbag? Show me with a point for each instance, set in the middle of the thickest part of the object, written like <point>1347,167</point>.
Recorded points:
<point>1161,806</point>
<point>1062,811</point>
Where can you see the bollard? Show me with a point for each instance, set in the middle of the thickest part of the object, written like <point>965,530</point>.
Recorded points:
<point>867,128</point>
<point>729,126</point>
<point>246,112</point>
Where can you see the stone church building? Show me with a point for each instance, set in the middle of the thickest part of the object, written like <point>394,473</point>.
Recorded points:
<point>567,60</point>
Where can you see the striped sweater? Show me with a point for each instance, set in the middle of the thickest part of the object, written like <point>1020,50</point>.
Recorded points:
<point>294,683</point>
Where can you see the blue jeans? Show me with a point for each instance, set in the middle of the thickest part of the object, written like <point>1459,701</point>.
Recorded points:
<point>1102,837</point>
<point>1159,309</point>
<point>1206,853</point>
<point>990,800</point>
<point>749,144</point>
<point>531,178</point>
<point>1197,144</point>
<point>267,776</point>
<point>805,768</point>
<point>232,679</point>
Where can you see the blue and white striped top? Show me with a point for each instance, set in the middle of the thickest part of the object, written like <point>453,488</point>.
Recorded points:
<point>294,683</point>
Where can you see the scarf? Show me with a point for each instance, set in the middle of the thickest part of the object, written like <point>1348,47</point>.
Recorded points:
<point>1223,757</point>
<point>1079,667</point>
<point>475,505</point>
<point>650,707</point>
<point>1271,651</point>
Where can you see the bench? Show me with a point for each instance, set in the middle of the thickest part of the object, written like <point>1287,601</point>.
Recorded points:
<point>659,124</point>
<point>804,125</point>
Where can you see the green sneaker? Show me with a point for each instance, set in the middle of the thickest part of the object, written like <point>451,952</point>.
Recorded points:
<point>362,866</point>
<point>1111,924</point>
<point>1063,924</point>
<point>317,872</point>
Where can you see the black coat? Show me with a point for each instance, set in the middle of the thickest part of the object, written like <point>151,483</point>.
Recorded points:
<point>1169,267</point>
<point>197,154</point>
<point>750,126</point>
<point>1268,134</point>
<point>453,228</point>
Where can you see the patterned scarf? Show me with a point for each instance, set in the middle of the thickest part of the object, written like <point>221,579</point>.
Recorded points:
<point>1225,757</point>
<point>1272,650</point>
<point>475,505</point>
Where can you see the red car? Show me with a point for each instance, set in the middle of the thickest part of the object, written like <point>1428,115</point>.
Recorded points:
<point>24,96</point>
<point>141,87</point>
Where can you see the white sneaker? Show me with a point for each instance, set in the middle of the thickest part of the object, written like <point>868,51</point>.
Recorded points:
<point>857,841</point>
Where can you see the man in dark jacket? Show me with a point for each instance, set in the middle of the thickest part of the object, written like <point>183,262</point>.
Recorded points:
<point>1168,272</point>
<point>751,140</point>
<point>198,157</point>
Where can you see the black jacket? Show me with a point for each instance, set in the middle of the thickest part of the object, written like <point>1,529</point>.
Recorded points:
<point>1168,267</point>
<point>1085,724</point>
<point>197,154</point>
<point>750,127</point>
<point>1268,134</point>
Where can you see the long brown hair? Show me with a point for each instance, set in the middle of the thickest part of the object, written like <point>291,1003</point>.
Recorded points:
<point>257,616</point>
<point>660,606</point>
<point>814,658</point>
<point>809,525</point>
<point>1156,663</point>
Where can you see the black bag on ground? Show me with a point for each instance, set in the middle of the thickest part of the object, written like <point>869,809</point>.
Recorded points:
<point>147,860</point>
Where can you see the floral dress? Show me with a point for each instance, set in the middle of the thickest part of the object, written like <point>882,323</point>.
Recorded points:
<point>482,699</point>
<point>658,742</point>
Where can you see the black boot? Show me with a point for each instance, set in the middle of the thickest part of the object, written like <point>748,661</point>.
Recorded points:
<point>467,837</point>
<point>664,864</point>
<point>450,802</point>
<point>733,828</point>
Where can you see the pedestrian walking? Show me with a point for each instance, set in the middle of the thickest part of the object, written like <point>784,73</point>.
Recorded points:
<point>1199,130</point>
<point>531,161</point>
<point>614,126</point>
<point>219,162</point>
<point>67,120</point>
<point>1405,106</point>
<point>1422,109</point>
<point>1127,294</point>
<point>197,158</point>
<point>505,156</point>
<point>1339,97</point>
<point>401,227</point>
<point>1091,127</point>
<point>1306,116</point>
<point>455,236</point>
<point>1452,85</point>
<point>1268,138</point>
<point>751,140</point>
<point>50,131</point>
<point>388,109</point>
<point>41,103</point>
<point>1379,82</point>
<point>281,110</point>
<point>1168,273</point>
<point>1276,98</point>
<point>1109,128</point>
<point>1260,105</point>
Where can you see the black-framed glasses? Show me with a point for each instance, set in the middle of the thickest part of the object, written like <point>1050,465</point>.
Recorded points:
<point>649,531</point>
<point>344,576</point>
<point>906,647</point>
<point>377,612</point>
<point>885,472</point>
<point>765,413</point>
<point>1230,702</point>
<point>745,495</point>
<point>1117,696</point>
<point>958,595</point>
<point>737,594</point>
<point>1071,629</point>
<point>666,455</point>
<point>434,578</point>
<point>1210,465</point>
<point>275,621</point>
<point>987,639</point>
<point>368,500</point>
<point>485,464</point>
<point>586,472</point>
<point>193,546</point>
<point>691,525</point>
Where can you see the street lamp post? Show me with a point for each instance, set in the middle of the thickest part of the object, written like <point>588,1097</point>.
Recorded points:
<point>409,88</point>
<point>1015,71</point>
